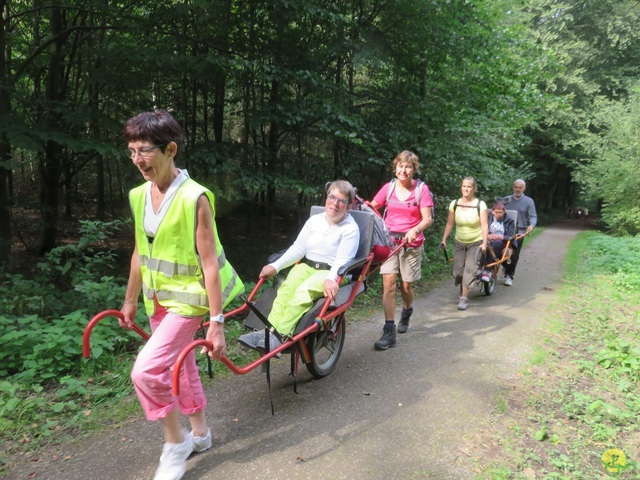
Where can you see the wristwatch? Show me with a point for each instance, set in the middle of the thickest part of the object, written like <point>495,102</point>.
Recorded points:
<point>217,318</point>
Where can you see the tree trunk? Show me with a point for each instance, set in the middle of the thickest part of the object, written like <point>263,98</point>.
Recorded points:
<point>273,156</point>
<point>222,39</point>
<point>100,199</point>
<point>50,162</point>
<point>337,142</point>
<point>5,149</point>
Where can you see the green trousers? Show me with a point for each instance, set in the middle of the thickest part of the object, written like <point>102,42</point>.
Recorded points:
<point>302,287</point>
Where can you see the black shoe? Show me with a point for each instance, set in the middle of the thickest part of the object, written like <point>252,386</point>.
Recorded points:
<point>388,338</point>
<point>403,324</point>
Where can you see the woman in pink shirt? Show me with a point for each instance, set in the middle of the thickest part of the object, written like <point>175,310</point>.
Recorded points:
<point>406,218</point>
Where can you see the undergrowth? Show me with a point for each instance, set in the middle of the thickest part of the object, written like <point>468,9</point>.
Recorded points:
<point>579,399</point>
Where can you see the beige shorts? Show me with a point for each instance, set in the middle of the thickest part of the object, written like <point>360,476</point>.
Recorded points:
<point>406,262</point>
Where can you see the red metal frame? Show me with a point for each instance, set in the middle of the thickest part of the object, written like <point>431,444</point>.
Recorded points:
<point>321,323</point>
<point>505,254</point>
<point>86,336</point>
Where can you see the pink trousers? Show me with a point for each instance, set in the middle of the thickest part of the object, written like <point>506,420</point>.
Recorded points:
<point>153,368</point>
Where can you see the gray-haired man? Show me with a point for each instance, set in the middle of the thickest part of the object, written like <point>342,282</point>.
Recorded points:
<point>527,219</point>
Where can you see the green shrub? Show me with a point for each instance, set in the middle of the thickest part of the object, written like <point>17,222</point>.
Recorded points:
<point>44,318</point>
<point>34,350</point>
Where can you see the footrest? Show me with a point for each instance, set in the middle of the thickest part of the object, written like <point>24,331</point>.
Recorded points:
<point>264,304</point>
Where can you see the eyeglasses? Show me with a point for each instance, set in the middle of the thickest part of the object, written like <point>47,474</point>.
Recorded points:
<point>145,152</point>
<point>339,201</point>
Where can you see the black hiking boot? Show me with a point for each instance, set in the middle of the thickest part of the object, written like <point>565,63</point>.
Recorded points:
<point>388,338</point>
<point>403,324</point>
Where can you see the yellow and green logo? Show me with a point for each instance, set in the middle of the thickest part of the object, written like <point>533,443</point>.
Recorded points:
<point>614,462</point>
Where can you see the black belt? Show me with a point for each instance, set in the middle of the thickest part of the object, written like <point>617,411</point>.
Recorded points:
<point>316,265</point>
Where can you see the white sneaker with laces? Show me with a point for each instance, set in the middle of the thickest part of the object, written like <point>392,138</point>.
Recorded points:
<point>173,461</point>
<point>508,281</point>
<point>201,444</point>
<point>486,276</point>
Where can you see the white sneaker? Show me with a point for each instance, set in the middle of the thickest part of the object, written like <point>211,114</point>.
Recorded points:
<point>462,304</point>
<point>508,281</point>
<point>173,461</point>
<point>201,444</point>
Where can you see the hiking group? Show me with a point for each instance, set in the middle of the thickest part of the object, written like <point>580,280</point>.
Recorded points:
<point>179,267</point>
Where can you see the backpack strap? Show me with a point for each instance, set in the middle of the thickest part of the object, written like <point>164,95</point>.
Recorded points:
<point>392,186</point>
<point>417,195</point>
<point>477,207</point>
<point>419,184</point>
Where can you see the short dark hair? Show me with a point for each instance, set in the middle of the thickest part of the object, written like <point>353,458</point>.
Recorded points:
<point>158,127</point>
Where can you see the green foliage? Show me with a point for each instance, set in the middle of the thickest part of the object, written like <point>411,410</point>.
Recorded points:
<point>582,399</point>
<point>307,91</point>
<point>70,277</point>
<point>76,263</point>
<point>32,415</point>
<point>617,257</point>
<point>615,151</point>
<point>39,344</point>
<point>589,59</point>
<point>47,386</point>
<point>304,92</point>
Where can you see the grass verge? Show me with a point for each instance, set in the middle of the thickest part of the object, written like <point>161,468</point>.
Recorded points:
<point>576,402</point>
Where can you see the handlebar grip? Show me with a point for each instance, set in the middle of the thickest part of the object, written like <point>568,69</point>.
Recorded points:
<point>86,336</point>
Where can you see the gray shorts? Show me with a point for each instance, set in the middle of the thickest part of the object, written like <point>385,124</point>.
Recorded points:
<point>407,262</point>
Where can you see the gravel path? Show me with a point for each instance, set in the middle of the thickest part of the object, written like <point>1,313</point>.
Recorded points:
<point>411,412</point>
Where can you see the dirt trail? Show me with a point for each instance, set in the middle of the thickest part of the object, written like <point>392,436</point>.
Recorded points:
<point>409,412</point>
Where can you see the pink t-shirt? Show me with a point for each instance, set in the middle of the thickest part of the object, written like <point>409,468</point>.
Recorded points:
<point>402,216</point>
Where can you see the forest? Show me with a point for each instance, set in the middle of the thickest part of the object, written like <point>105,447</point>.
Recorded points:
<point>276,98</point>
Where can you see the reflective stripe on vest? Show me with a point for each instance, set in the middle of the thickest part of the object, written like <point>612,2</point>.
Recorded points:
<point>191,298</point>
<point>170,269</point>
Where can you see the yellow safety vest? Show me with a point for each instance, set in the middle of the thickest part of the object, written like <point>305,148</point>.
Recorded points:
<point>170,264</point>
